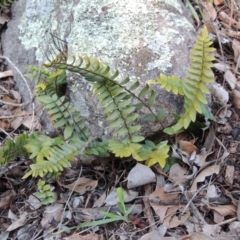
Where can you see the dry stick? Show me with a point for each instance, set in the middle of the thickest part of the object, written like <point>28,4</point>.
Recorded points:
<point>148,210</point>
<point>26,83</point>
<point>60,223</point>
<point>4,170</point>
<point>194,208</point>
<point>191,200</point>
<point>80,154</point>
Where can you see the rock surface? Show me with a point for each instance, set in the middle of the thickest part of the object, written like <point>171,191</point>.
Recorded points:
<point>140,38</point>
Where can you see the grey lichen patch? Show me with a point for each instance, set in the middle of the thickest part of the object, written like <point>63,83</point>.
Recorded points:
<point>109,28</point>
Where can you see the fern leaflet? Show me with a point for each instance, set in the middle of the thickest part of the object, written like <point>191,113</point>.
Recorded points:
<point>194,87</point>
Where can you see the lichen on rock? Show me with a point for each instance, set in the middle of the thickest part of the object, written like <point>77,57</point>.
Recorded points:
<point>140,38</point>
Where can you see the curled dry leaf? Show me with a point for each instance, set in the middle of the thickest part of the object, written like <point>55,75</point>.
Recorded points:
<point>172,220</point>
<point>229,174</point>
<point>112,198</point>
<point>236,99</point>
<point>8,73</point>
<point>81,185</point>
<point>24,217</point>
<point>6,199</point>
<point>236,49</point>
<point>159,195</point>
<point>212,191</point>
<point>208,171</point>
<point>187,146</point>
<point>90,236</point>
<point>178,220</point>
<point>177,174</point>
<point>140,175</point>
<point>230,78</point>
<point>209,12</point>
<point>224,210</point>
<point>219,93</point>
<point>52,213</point>
<point>218,2</point>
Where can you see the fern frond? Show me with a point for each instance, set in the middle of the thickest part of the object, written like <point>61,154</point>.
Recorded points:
<point>5,3</point>
<point>45,193</point>
<point>170,83</point>
<point>59,157</point>
<point>46,82</point>
<point>63,115</point>
<point>194,87</point>
<point>11,149</point>
<point>111,94</point>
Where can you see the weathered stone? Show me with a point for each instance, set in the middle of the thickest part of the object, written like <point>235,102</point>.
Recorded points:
<point>140,38</point>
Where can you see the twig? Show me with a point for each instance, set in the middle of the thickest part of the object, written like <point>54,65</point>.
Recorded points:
<point>60,223</point>
<point>4,170</point>
<point>14,104</point>
<point>148,210</point>
<point>27,86</point>
<point>194,208</point>
<point>191,200</point>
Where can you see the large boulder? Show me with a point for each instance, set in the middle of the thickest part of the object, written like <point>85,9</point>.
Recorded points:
<point>140,38</point>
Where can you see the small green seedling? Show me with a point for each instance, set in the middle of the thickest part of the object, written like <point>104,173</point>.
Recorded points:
<point>111,217</point>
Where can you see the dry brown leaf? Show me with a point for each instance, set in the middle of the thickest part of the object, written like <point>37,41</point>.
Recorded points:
<point>225,210</point>
<point>187,146</point>
<point>171,219</point>
<point>24,217</point>
<point>177,174</point>
<point>209,12</point>
<point>200,236</point>
<point>3,20</point>
<point>208,171</point>
<point>218,2</point>
<point>217,217</point>
<point>90,236</point>
<point>16,95</point>
<point>8,73</point>
<point>5,125</point>
<point>178,220</point>
<point>236,99</point>
<point>9,100</point>
<point>16,123</point>
<point>229,174</point>
<point>29,122</point>
<point>52,213</point>
<point>6,199</point>
<point>159,194</point>
<point>230,78</point>
<point>236,49</point>
<point>219,94</point>
<point>81,185</point>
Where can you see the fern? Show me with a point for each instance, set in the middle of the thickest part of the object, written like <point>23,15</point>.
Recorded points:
<point>56,160</point>
<point>45,193</point>
<point>5,3</point>
<point>194,87</point>
<point>64,116</point>
<point>109,90</point>
<point>46,82</point>
<point>11,149</point>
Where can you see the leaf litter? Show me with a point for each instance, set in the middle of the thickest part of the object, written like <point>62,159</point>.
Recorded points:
<point>196,197</point>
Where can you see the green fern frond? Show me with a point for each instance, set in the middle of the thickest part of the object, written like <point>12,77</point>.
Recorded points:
<point>58,158</point>
<point>45,193</point>
<point>111,94</point>
<point>5,3</point>
<point>46,82</point>
<point>11,149</point>
<point>193,88</point>
<point>64,116</point>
